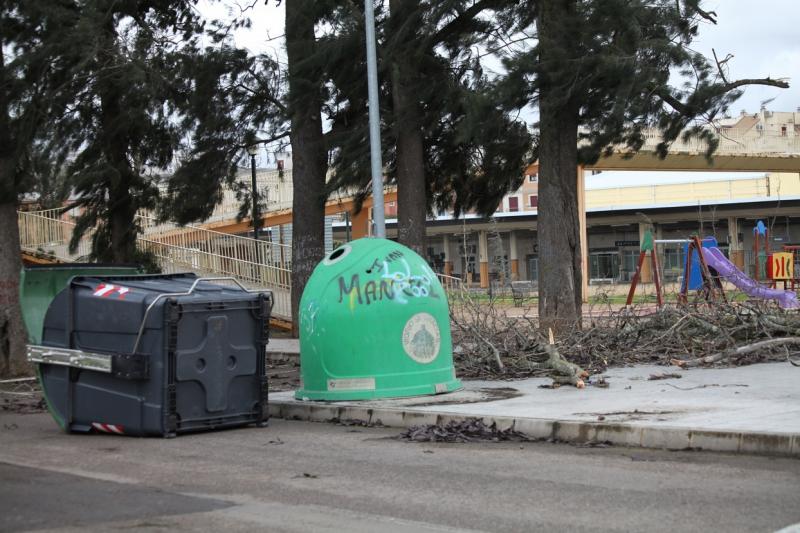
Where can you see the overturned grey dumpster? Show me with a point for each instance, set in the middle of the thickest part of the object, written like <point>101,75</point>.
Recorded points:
<point>154,355</point>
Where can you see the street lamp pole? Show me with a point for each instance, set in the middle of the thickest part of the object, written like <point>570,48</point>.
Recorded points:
<point>253,151</point>
<point>374,123</point>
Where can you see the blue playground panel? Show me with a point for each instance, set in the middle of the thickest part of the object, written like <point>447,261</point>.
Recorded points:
<point>695,277</point>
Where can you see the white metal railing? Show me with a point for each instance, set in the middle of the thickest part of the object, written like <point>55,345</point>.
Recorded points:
<point>450,283</point>
<point>454,287</point>
<point>251,260</point>
<point>255,263</point>
<point>48,233</point>
<point>275,191</point>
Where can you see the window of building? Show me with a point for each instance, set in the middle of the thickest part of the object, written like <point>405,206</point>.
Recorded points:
<point>673,263</point>
<point>783,130</point>
<point>630,259</point>
<point>513,203</point>
<point>533,200</point>
<point>603,266</point>
<point>533,178</point>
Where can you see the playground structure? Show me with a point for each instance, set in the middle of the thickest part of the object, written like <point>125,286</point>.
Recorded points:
<point>705,267</point>
<point>760,248</point>
<point>781,267</point>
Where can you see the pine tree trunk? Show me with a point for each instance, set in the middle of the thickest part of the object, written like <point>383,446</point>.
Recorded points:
<point>411,187</point>
<point>123,228</point>
<point>558,219</point>
<point>12,331</point>
<point>308,150</point>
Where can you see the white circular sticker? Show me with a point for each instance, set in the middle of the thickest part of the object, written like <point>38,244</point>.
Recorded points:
<point>421,338</point>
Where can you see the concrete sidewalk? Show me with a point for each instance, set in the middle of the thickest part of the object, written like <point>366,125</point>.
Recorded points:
<point>281,349</point>
<point>750,409</point>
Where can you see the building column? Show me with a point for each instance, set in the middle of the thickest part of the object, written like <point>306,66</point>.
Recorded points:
<point>513,255</point>
<point>448,261</point>
<point>483,258</point>
<point>360,223</point>
<point>735,250</point>
<point>584,237</point>
<point>658,232</point>
<point>647,273</point>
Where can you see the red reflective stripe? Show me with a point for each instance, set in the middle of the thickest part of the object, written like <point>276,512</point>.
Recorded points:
<point>108,428</point>
<point>104,290</point>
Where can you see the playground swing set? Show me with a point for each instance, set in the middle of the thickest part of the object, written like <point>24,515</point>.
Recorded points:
<point>705,267</point>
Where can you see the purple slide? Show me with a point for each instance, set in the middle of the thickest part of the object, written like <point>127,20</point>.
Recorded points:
<point>727,270</point>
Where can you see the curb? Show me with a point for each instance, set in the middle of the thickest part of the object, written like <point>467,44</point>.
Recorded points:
<point>578,432</point>
<point>283,357</point>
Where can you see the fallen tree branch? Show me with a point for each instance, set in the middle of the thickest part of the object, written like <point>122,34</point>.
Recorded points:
<point>707,385</point>
<point>494,349</point>
<point>496,340</point>
<point>741,350</point>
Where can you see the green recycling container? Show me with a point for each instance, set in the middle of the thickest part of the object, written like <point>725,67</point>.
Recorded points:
<point>374,323</point>
<point>39,285</point>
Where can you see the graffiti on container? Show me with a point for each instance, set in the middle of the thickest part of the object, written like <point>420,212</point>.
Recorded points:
<point>409,285</point>
<point>377,263</point>
<point>396,285</point>
<point>309,316</point>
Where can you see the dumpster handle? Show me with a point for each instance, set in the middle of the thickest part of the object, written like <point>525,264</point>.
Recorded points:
<point>187,293</point>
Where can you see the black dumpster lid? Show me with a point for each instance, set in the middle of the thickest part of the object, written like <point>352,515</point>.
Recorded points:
<point>145,285</point>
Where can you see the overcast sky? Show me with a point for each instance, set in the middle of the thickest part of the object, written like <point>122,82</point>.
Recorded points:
<point>762,35</point>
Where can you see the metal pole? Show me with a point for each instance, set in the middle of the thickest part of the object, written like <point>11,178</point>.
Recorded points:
<point>256,221</point>
<point>374,124</point>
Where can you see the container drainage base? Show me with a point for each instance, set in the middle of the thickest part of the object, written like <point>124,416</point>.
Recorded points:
<point>382,392</point>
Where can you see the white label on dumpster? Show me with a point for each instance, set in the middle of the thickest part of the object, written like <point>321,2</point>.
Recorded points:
<point>421,338</point>
<point>351,384</point>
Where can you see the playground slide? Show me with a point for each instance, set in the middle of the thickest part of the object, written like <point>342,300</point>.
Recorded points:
<point>716,260</point>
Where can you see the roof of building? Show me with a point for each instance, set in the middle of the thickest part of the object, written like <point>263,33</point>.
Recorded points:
<point>610,179</point>
<point>745,123</point>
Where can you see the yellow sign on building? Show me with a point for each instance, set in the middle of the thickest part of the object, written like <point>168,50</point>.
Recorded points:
<point>782,265</point>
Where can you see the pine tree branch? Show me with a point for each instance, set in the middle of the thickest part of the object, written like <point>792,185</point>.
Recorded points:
<point>687,110</point>
<point>461,22</point>
<point>720,64</point>
<point>759,81</point>
<point>268,97</point>
<point>268,140</point>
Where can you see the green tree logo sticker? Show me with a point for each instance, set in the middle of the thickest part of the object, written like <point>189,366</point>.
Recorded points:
<point>421,338</point>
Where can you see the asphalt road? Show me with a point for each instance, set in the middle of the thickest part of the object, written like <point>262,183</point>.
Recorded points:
<point>297,476</point>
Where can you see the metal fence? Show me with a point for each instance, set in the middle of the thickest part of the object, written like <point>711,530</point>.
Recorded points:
<point>188,248</point>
